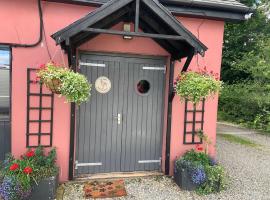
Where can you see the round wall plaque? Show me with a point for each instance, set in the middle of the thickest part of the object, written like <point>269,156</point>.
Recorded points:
<point>103,84</point>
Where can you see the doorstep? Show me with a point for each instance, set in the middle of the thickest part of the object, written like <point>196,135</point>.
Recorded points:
<point>113,175</point>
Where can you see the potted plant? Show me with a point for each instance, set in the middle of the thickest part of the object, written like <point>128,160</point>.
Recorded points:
<point>74,86</point>
<point>197,171</point>
<point>33,176</point>
<point>195,86</point>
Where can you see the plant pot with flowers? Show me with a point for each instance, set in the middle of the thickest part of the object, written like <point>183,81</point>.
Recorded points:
<point>195,170</point>
<point>63,81</point>
<point>195,86</point>
<point>33,176</point>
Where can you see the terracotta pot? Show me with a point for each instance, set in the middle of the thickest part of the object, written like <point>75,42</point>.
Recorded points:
<point>54,85</point>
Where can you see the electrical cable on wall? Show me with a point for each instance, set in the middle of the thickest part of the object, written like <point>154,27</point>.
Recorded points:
<point>16,45</point>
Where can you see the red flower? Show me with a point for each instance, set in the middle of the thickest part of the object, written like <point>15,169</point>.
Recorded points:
<point>13,167</point>
<point>199,148</point>
<point>42,66</point>
<point>28,170</point>
<point>30,154</point>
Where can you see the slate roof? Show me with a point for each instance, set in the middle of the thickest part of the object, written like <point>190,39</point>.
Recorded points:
<point>218,4</point>
<point>225,4</point>
<point>231,10</point>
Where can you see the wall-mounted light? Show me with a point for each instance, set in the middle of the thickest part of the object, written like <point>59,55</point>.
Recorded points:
<point>127,28</point>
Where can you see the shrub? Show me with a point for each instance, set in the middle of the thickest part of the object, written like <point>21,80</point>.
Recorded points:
<point>247,104</point>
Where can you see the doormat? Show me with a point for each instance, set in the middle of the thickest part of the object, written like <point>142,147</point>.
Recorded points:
<point>104,189</point>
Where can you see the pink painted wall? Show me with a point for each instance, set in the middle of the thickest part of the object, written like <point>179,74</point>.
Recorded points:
<point>211,34</point>
<point>21,25</point>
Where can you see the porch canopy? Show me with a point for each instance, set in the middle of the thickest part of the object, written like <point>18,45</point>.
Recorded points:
<point>150,16</point>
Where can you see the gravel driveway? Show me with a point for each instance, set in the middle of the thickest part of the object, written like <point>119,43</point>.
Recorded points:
<point>247,167</point>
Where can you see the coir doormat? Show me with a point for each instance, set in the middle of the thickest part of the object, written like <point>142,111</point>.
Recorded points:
<point>104,189</point>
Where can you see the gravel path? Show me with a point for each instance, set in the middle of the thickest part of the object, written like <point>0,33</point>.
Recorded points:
<point>247,167</point>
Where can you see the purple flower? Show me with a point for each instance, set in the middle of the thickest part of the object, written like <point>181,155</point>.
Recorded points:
<point>213,161</point>
<point>10,189</point>
<point>198,175</point>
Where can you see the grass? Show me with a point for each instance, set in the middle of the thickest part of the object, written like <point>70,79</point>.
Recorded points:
<point>250,125</point>
<point>239,140</point>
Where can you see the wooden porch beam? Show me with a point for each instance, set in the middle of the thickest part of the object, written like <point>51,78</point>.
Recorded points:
<point>188,61</point>
<point>135,34</point>
<point>137,14</point>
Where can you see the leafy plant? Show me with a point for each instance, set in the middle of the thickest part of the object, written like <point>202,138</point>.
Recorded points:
<point>74,86</point>
<point>21,174</point>
<point>203,171</point>
<point>247,104</point>
<point>245,98</point>
<point>215,182</point>
<point>197,157</point>
<point>195,86</point>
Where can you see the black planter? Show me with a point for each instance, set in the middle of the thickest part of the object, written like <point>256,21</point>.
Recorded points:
<point>183,180</point>
<point>45,190</point>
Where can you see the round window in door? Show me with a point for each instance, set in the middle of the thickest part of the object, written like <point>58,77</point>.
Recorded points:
<point>143,87</point>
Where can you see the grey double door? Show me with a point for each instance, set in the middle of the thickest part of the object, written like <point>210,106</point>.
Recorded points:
<point>120,128</point>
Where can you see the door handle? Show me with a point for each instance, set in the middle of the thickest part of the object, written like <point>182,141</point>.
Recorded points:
<point>119,118</point>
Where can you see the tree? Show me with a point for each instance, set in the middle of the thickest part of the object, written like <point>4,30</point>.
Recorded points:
<point>244,42</point>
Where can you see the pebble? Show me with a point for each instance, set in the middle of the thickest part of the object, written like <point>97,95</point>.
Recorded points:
<point>248,170</point>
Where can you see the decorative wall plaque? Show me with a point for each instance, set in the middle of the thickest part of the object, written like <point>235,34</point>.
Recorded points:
<point>103,84</point>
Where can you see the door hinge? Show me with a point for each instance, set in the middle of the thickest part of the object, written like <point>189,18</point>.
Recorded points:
<point>91,64</point>
<point>149,161</point>
<point>155,68</point>
<point>77,164</point>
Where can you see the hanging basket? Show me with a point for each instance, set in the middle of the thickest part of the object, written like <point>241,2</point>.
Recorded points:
<point>60,80</point>
<point>54,85</point>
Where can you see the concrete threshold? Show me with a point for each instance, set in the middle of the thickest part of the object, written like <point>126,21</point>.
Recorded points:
<point>116,175</point>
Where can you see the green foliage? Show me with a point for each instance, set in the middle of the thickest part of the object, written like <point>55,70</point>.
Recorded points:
<point>243,46</point>
<point>32,167</point>
<point>238,140</point>
<point>51,71</point>
<point>246,71</point>
<point>195,86</point>
<point>73,86</point>
<point>216,179</point>
<point>215,182</point>
<point>197,157</point>
<point>247,104</point>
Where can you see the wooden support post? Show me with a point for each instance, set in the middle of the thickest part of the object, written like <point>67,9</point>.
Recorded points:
<point>169,119</point>
<point>72,64</point>
<point>137,14</point>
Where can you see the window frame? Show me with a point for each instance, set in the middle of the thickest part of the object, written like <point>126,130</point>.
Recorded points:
<point>9,49</point>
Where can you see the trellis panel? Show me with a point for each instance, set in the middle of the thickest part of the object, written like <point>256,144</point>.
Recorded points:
<point>193,122</point>
<point>40,102</point>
